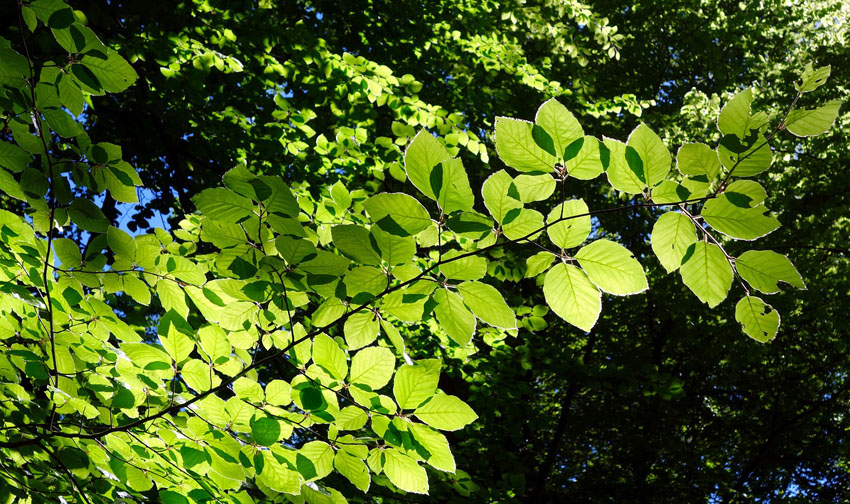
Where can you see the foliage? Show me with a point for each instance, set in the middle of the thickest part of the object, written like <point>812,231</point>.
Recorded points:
<point>261,349</point>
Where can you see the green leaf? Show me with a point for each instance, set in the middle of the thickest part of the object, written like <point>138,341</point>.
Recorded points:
<point>745,193</point>
<point>88,216</point>
<point>707,273</point>
<point>121,243</point>
<point>278,393</point>
<point>422,155</point>
<point>538,263</point>
<point>354,469</point>
<point>812,78</point>
<point>415,383</point>
<point>394,249</point>
<point>471,267</point>
<point>112,71</point>
<point>758,319</point>
<point>501,196</point>
<point>404,472</point>
<point>764,269</point>
<point>454,317</point>
<point>328,312</point>
<point>13,157</point>
<point>737,222</point>
<point>354,241</point>
<point>653,154</point>
<point>340,194</point>
<point>265,431</point>
<point>438,454</point>
<point>517,148</point>
<point>752,161</point>
<point>13,68</point>
<point>197,375</point>
<point>575,227</point>
<point>397,213</point>
<point>612,268</point>
<point>277,477</point>
<point>620,172</point>
<point>698,160</point>
<point>295,250</point>
<point>372,367</point>
<point>572,296</point>
<point>671,236</point>
<point>559,123</point>
<point>487,304</point>
<point>451,185</point>
<point>223,205</point>
<point>534,187</point>
<point>811,122</point>
<point>68,252</point>
<point>330,357</point>
<point>734,116</point>
<point>446,412</point>
<point>586,164</point>
<point>528,224</point>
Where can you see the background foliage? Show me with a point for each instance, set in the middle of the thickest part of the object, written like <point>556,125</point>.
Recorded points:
<point>665,400</point>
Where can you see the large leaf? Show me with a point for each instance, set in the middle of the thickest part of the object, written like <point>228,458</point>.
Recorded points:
<point>671,236</point>
<point>454,317</point>
<point>737,222</point>
<point>415,383</point>
<point>813,122</point>
<point>653,154</point>
<point>487,304</point>
<point>397,213</point>
<point>360,329</point>
<point>404,472</point>
<point>758,319</point>
<point>88,216</point>
<point>330,357</point>
<point>223,205</point>
<point>451,186</point>
<point>812,78</point>
<point>354,469</point>
<point>534,187</point>
<point>446,412</point>
<point>422,155</point>
<point>764,269</point>
<point>572,296</point>
<point>745,162</point>
<point>501,196</point>
<point>112,72</point>
<point>517,147</point>
<point>355,242</point>
<point>698,160</point>
<point>559,123</point>
<point>707,272</point>
<point>586,162</point>
<point>622,175</point>
<point>571,224</point>
<point>372,367</point>
<point>612,268</point>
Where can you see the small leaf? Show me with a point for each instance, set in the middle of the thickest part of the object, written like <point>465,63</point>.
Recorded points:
<point>454,317</point>
<point>451,185</point>
<point>471,267</point>
<point>404,472</point>
<point>764,269</point>
<point>88,216</point>
<point>621,174</point>
<point>758,319</point>
<point>223,205</point>
<point>397,213</point>
<point>446,412</point>
<point>330,357</point>
<point>415,383</point>
<point>813,122</point>
<point>737,222</point>
<point>587,162</point>
<point>699,160</point>
<point>534,187</point>
<point>572,296</point>
<point>612,268</point>
<point>671,236</point>
<point>501,196</point>
<point>372,367</point>
<point>559,123</point>
<point>707,273</point>
<point>517,148</point>
<point>752,161</point>
<point>121,243</point>
<point>354,241</point>
<point>812,78</point>
<point>571,224</point>
<point>422,155</point>
<point>653,153</point>
<point>353,468</point>
<point>265,431</point>
<point>487,304</point>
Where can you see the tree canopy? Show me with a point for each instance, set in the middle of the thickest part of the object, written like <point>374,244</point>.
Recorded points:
<point>449,251</point>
